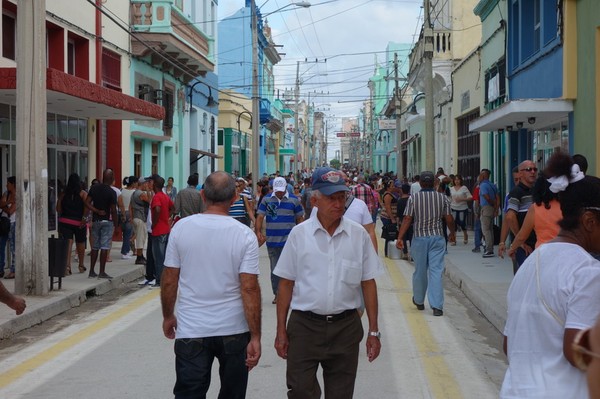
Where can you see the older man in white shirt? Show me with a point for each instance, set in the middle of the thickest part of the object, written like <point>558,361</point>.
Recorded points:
<point>325,264</point>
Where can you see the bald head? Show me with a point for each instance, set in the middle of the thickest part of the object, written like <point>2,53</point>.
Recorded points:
<point>108,177</point>
<point>219,187</point>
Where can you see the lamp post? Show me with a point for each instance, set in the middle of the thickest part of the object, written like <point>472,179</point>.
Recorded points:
<point>245,135</point>
<point>210,103</point>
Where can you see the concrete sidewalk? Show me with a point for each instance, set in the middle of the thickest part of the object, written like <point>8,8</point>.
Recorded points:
<point>484,281</point>
<point>75,290</point>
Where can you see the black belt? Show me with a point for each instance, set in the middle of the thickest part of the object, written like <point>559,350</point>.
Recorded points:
<point>329,318</point>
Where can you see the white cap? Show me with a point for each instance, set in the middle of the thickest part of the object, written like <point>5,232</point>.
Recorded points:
<point>279,184</point>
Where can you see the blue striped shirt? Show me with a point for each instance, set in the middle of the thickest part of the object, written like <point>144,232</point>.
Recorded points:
<point>280,217</point>
<point>427,208</point>
<point>238,208</point>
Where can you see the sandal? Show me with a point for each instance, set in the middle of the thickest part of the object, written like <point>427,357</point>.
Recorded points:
<point>82,269</point>
<point>68,271</point>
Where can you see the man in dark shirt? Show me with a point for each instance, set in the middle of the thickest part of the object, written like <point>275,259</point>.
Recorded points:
<point>519,201</point>
<point>102,202</point>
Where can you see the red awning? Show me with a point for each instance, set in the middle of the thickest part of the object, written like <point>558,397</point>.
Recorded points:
<point>76,97</point>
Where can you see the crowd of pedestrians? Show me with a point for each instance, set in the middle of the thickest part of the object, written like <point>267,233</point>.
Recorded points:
<point>319,230</point>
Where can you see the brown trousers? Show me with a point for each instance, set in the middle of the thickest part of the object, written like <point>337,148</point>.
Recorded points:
<point>333,345</point>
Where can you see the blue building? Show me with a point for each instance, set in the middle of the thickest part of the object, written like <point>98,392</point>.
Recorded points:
<point>235,73</point>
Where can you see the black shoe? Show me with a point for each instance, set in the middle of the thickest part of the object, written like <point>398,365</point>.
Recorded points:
<point>92,275</point>
<point>438,312</point>
<point>476,250</point>
<point>140,261</point>
<point>488,255</point>
<point>104,275</point>
<point>419,307</point>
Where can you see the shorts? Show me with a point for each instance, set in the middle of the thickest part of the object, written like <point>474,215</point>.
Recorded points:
<point>141,233</point>
<point>102,232</point>
<point>68,231</point>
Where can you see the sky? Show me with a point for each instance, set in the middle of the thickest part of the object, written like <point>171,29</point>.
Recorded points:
<point>345,37</point>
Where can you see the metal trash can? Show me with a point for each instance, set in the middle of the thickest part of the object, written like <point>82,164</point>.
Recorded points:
<point>58,251</point>
<point>393,252</point>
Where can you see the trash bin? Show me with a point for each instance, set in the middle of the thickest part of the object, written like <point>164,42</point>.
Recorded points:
<point>58,251</point>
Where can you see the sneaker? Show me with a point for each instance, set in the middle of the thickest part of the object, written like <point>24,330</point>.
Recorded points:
<point>104,275</point>
<point>155,285</point>
<point>146,282</point>
<point>476,250</point>
<point>92,275</point>
<point>125,256</point>
<point>488,255</point>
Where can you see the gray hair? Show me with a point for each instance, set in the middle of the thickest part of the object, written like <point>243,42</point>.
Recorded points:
<point>219,187</point>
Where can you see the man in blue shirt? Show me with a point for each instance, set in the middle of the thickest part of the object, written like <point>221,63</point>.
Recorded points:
<point>489,201</point>
<point>282,212</point>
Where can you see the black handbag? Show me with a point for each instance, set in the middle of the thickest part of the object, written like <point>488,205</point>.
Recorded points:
<point>389,232</point>
<point>4,225</point>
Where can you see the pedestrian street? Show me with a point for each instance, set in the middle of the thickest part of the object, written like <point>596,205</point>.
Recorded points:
<point>120,351</point>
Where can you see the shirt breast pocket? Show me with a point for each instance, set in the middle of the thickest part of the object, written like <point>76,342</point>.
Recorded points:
<point>351,272</point>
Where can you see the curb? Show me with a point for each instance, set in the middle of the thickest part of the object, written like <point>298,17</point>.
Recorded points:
<point>491,309</point>
<point>62,302</point>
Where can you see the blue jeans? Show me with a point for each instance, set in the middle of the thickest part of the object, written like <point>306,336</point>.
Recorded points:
<point>102,232</point>
<point>127,228</point>
<point>520,257</point>
<point>428,254</point>
<point>460,218</point>
<point>193,364</point>
<point>274,253</point>
<point>477,232</point>
<point>159,248</point>
<point>150,274</point>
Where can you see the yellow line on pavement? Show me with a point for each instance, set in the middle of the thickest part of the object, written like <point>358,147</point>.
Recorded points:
<point>441,380</point>
<point>9,376</point>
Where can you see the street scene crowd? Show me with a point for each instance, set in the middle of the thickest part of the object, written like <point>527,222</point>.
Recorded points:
<point>200,245</point>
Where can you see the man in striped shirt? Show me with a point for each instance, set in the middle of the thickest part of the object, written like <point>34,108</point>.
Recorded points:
<point>281,211</point>
<point>426,209</point>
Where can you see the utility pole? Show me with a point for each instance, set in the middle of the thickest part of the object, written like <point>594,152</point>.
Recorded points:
<point>428,70</point>
<point>255,99</point>
<point>398,106</point>
<point>296,127</point>
<point>32,162</point>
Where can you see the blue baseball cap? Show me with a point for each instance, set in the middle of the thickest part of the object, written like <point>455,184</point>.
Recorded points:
<point>329,181</point>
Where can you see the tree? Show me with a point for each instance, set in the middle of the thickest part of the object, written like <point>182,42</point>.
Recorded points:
<point>335,163</point>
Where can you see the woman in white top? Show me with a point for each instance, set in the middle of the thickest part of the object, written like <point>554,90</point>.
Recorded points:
<point>124,199</point>
<point>460,205</point>
<point>555,294</point>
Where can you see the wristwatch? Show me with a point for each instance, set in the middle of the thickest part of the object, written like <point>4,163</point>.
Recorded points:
<point>375,334</point>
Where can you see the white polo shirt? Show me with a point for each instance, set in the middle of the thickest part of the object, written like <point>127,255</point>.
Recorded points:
<point>328,270</point>
<point>211,251</point>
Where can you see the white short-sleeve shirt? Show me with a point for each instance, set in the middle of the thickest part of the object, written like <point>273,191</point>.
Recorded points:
<point>358,211</point>
<point>211,251</point>
<point>569,284</point>
<point>328,270</point>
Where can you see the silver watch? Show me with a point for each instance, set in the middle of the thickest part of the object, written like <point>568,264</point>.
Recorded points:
<point>375,334</point>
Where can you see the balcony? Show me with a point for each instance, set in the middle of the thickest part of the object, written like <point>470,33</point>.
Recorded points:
<point>265,111</point>
<point>186,50</point>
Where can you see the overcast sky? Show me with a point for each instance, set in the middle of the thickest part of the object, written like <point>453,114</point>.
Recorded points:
<point>350,34</point>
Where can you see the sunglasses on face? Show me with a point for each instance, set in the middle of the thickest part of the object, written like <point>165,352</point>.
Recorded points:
<point>529,170</point>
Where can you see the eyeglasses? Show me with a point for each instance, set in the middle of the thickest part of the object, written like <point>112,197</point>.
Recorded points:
<point>582,355</point>
<point>296,187</point>
<point>529,170</point>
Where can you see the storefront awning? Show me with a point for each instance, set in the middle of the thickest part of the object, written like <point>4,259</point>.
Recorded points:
<point>543,112</point>
<point>72,96</point>
<point>202,154</point>
<point>410,139</point>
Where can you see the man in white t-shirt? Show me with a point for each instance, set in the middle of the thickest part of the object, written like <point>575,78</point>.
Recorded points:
<point>212,263</point>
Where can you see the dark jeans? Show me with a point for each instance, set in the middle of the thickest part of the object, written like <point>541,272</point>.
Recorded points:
<point>274,253</point>
<point>150,270</point>
<point>127,228</point>
<point>193,363</point>
<point>520,257</point>
<point>385,222</point>
<point>159,248</point>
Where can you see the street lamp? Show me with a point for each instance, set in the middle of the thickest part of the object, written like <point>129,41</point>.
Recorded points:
<point>210,102</point>
<point>255,97</point>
